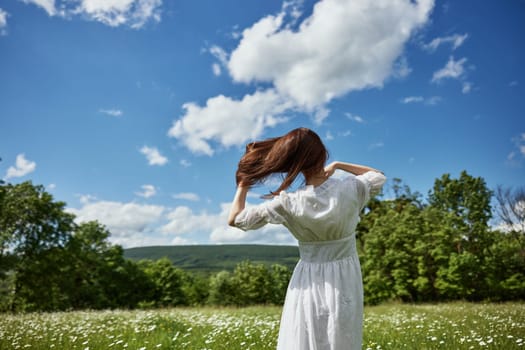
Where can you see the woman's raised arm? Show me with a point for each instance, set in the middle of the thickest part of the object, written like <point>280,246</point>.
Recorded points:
<point>238,204</point>
<point>355,169</point>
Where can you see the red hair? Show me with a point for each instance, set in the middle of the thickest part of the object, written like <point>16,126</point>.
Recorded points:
<point>299,151</point>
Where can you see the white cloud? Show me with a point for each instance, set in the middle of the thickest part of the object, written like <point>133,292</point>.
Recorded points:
<point>47,5</point>
<point>513,83</point>
<point>112,112</point>
<point>147,191</point>
<point>3,22</point>
<point>519,141</point>
<point>22,167</point>
<point>133,13</point>
<point>182,241</point>
<point>516,156</point>
<point>433,100</point>
<point>376,145</point>
<point>182,220</point>
<point>401,68</point>
<point>342,47</point>
<point>216,68</point>
<point>453,69</point>
<point>354,117</point>
<point>220,54</point>
<point>114,13</point>
<point>412,99</point>
<point>127,222</point>
<point>132,224</point>
<point>329,136</point>
<point>187,196</point>
<point>467,86</point>
<point>86,198</point>
<point>185,163</point>
<point>153,155</point>
<point>455,40</point>
<point>51,186</point>
<point>227,121</point>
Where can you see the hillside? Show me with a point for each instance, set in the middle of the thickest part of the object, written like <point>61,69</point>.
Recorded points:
<point>212,258</point>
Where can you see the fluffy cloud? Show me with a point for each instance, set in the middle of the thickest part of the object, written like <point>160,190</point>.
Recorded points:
<point>3,22</point>
<point>222,56</point>
<point>354,117</point>
<point>520,143</point>
<point>516,156</point>
<point>112,112</point>
<point>228,121</point>
<point>147,191</point>
<point>187,196</point>
<point>467,86</point>
<point>183,221</point>
<point>341,47</point>
<point>132,224</point>
<point>455,40</point>
<point>185,163</point>
<point>453,69</point>
<point>127,222</point>
<point>133,13</point>
<point>433,100</point>
<point>22,167</point>
<point>153,155</point>
<point>47,5</point>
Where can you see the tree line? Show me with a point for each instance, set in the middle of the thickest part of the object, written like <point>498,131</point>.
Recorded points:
<point>411,249</point>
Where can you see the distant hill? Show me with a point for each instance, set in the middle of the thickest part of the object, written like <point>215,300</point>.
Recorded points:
<point>213,258</point>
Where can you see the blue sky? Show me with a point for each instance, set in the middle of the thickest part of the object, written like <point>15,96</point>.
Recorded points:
<point>136,112</point>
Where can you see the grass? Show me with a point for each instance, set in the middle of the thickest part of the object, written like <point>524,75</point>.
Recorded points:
<point>393,326</point>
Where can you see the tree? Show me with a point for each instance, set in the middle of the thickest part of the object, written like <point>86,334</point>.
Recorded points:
<point>467,202</point>
<point>279,278</point>
<point>167,282</point>
<point>389,260</point>
<point>252,283</point>
<point>33,232</point>
<point>222,290</point>
<point>464,206</point>
<point>511,208</point>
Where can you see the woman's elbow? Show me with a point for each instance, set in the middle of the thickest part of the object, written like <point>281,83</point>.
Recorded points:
<point>231,218</point>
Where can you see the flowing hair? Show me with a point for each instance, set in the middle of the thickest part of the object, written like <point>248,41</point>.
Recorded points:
<point>299,151</point>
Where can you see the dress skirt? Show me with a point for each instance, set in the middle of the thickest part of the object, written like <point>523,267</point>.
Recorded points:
<point>323,309</point>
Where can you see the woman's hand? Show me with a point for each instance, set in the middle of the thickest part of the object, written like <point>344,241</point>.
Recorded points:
<point>330,169</point>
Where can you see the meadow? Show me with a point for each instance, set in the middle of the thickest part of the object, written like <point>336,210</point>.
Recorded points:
<point>391,326</point>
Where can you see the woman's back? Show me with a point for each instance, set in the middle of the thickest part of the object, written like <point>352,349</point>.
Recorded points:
<point>327,212</point>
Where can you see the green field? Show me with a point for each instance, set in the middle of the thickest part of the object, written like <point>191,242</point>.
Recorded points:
<point>393,326</point>
<point>215,258</point>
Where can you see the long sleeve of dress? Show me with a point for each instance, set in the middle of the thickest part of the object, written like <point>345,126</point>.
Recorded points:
<point>369,185</point>
<point>254,217</point>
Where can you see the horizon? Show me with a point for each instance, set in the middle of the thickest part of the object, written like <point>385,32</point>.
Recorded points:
<point>136,114</point>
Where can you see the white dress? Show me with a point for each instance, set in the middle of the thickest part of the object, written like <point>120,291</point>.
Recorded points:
<point>323,309</point>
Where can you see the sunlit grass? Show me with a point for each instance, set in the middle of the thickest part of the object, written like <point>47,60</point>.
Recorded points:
<point>393,326</point>
<point>445,326</point>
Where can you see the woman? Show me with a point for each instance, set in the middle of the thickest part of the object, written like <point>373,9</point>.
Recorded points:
<point>323,308</point>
